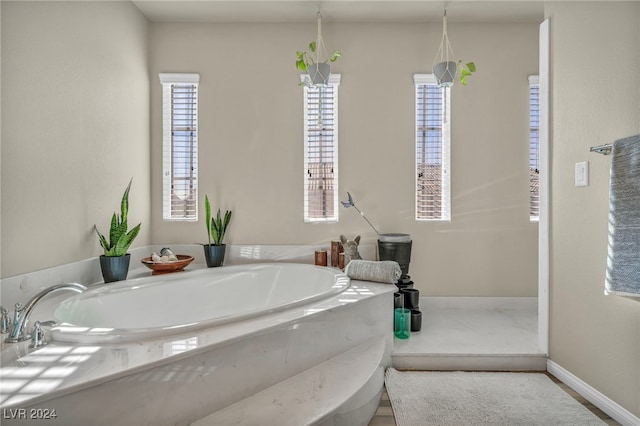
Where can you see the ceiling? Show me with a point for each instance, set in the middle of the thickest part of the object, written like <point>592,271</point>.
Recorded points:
<point>340,10</point>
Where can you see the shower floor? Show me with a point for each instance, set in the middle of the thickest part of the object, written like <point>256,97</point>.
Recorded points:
<point>473,333</point>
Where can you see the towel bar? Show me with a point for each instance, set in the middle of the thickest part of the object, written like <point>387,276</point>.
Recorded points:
<point>602,149</point>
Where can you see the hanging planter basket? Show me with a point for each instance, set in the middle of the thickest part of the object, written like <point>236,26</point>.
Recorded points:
<point>445,73</point>
<point>445,69</point>
<point>319,74</point>
<point>315,63</point>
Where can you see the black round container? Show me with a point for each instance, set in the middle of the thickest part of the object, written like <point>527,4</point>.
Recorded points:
<point>396,247</point>
<point>416,320</point>
<point>398,300</point>
<point>404,282</point>
<point>411,298</point>
<point>403,286</point>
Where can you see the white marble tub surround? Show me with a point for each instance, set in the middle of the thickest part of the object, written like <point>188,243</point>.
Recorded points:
<point>138,382</point>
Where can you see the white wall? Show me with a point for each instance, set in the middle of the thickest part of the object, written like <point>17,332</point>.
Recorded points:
<point>250,155</point>
<point>595,100</point>
<point>75,113</point>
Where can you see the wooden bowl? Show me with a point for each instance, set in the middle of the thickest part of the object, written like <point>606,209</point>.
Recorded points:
<point>167,267</point>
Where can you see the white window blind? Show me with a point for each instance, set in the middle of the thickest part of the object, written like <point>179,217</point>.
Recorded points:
<point>180,146</point>
<point>321,151</point>
<point>433,198</point>
<point>534,148</point>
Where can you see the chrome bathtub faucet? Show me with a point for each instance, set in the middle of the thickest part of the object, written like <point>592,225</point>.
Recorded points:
<point>21,313</point>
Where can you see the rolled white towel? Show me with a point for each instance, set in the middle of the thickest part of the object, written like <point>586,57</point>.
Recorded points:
<point>386,271</point>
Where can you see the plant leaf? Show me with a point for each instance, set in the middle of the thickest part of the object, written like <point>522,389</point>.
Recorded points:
<point>219,228</point>
<point>227,218</point>
<point>223,224</point>
<point>335,56</point>
<point>471,66</point>
<point>114,231</point>
<point>207,209</point>
<point>312,46</point>
<point>301,65</point>
<point>214,233</point>
<point>103,240</point>
<point>125,241</point>
<point>215,230</point>
<point>124,204</point>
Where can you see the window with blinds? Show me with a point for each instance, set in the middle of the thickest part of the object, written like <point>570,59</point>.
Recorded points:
<point>534,148</point>
<point>321,151</point>
<point>433,199</point>
<point>180,146</point>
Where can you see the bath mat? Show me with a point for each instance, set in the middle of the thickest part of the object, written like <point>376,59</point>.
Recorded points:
<point>458,398</point>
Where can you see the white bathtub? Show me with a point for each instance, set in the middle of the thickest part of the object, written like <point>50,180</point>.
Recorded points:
<point>191,347</point>
<point>161,305</point>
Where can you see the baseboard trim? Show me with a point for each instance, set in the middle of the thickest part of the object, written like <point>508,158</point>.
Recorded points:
<point>614,410</point>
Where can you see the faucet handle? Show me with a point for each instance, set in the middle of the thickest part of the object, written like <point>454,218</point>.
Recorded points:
<point>38,337</point>
<point>17,312</point>
<point>5,321</point>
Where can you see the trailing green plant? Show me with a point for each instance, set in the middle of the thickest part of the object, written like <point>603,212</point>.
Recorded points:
<point>305,59</point>
<point>216,226</point>
<point>120,238</point>
<point>465,71</point>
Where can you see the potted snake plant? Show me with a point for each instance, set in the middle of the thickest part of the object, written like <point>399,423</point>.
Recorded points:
<point>115,260</point>
<point>216,228</point>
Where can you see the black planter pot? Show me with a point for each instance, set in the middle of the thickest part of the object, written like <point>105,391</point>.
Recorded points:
<point>214,255</point>
<point>114,268</point>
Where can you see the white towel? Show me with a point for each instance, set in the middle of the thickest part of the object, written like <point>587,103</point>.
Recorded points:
<point>386,271</point>
<point>623,259</point>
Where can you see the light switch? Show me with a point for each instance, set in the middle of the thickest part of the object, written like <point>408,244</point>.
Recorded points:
<point>582,173</point>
